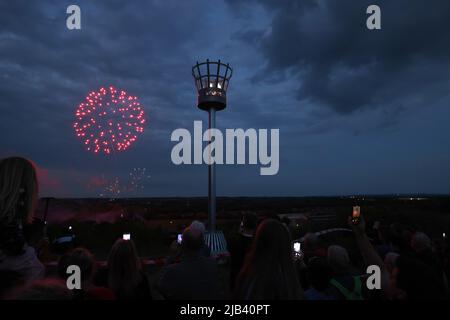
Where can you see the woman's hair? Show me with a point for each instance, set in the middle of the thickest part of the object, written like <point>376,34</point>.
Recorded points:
<point>18,190</point>
<point>269,271</point>
<point>18,197</point>
<point>124,268</point>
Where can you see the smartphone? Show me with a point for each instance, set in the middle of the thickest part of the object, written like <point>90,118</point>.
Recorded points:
<point>356,214</point>
<point>179,238</point>
<point>297,247</point>
<point>126,236</point>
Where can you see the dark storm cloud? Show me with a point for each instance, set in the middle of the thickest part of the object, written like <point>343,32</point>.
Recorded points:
<point>46,70</point>
<point>342,64</point>
<point>290,59</point>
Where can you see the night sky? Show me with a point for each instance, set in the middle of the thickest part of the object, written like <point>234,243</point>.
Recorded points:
<point>359,111</point>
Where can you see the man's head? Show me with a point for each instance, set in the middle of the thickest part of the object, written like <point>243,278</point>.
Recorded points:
<point>199,226</point>
<point>420,242</point>
<point>192,241</point>
<point>338,258</point>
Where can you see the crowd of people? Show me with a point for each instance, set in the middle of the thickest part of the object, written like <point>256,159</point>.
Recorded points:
<point>262,262</point>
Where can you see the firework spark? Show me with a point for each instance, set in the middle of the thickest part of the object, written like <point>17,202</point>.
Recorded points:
<point>109,120</point>
<point>113,188</point>
<point>138,177</point>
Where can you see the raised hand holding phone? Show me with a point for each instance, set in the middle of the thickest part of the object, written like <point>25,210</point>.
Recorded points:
<point>298,254</point>
<point>357,222</point>
<point>126,236</point>
<point>356,215</point>
<point>297,247</point>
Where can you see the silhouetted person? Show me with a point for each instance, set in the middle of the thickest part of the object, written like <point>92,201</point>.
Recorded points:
<point>195,277</point>
<point>200,227</point>
<point>346,282</point>
<point>313,247</point>
<point>423,249</point>
<point>239,246</point>
<point>319,274</point>
<point>18,198</point>
<point>85,261</point>
<point>124,274</point>
<point>269,272</point>
<point>415,279</point>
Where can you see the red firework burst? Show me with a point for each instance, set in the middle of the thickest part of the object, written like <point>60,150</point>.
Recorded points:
<point>109,120</point>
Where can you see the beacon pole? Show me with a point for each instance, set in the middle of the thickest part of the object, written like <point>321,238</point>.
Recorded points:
<point>211,80</point>
<point>211,178</point>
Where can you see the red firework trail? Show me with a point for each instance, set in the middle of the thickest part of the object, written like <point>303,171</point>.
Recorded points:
<point>109,120</point>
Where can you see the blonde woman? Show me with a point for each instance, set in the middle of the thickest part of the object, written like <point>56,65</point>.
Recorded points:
<point>18,199</point>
